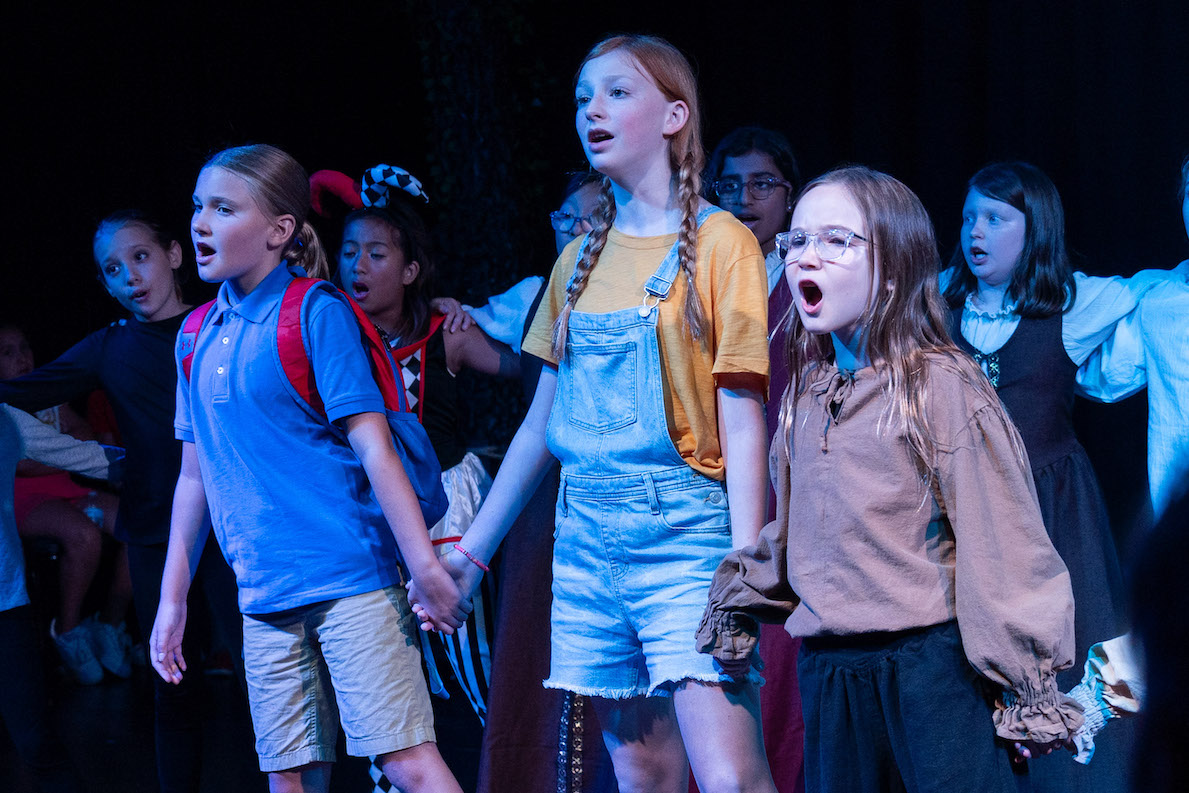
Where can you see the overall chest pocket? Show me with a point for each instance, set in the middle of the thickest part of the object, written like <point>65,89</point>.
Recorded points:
<point>601,388</point>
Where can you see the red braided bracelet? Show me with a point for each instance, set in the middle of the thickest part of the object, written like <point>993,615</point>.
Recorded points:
<point>468,555</point>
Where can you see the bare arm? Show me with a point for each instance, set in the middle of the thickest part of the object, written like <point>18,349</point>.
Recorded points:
<point>371,439</point>
<point>471,348</point>
<point>742,435</point>
<point>188,530</point>
<point>521,472</point>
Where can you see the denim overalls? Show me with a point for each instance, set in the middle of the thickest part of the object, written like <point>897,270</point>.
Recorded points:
<point>639,533</point>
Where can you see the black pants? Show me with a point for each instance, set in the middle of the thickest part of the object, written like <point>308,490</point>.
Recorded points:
<point>179,709</point>
<point>893,712</point>
<point>24,705</point>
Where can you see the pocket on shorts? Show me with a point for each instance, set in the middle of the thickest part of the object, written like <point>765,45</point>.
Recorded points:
<point>601,388</point>
<point>700,510</point>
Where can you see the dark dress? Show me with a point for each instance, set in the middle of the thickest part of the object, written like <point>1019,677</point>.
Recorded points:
<point>1034,376</point>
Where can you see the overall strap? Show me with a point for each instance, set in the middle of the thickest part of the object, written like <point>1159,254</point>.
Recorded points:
<point>295,360</point>
<point>189,335</point>
<point>658,286</point>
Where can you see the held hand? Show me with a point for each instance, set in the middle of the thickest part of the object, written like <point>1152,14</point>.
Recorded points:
<point>436,600</point>
<point>165,642</point>
<point>1025,750</point>
<point>456,318</point>
<point>466,574</point>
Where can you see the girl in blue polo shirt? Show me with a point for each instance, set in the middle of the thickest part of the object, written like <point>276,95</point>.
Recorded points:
<point>311,515</point>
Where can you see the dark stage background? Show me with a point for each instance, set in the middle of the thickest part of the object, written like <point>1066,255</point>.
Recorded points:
<point>118,106</point>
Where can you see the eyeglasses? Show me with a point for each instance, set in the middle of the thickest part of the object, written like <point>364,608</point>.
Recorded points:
<point>564,221</point>
<point>831,244</point>
<point>759,189</point>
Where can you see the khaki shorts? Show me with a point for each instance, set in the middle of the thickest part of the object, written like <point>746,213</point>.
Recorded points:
<point>361,651</point>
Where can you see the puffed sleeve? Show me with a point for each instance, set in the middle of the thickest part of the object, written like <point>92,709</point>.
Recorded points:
<point>1014,601</point>
<point>751,584</point>
<point>1099,304</point>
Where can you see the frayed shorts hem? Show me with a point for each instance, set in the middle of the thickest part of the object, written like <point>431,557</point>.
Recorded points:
<point>296,759</point>
<point>597,691</point>
<point>383,744</point>
<point>665,688</point>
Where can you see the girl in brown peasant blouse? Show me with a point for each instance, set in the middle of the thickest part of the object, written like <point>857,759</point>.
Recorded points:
<point>908,547</point>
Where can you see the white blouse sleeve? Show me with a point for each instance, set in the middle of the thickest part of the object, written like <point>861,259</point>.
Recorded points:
<point>1097,308</point>
<point>503,316</point>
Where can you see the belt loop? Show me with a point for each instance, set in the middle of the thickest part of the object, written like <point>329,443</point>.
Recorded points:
<point>561,499</point>
<point>654,503</point>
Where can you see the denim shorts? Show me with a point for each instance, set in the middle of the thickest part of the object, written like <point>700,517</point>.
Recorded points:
<point>361,651</point>
<point>633,558</point>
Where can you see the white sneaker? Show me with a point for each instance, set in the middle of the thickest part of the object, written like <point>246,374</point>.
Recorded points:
<point>75,649</point>
<point>112,644</point>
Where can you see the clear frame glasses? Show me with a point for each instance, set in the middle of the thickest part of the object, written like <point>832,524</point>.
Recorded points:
<point>564,222</point>
<point>831,244</point>
<point>759,189</point>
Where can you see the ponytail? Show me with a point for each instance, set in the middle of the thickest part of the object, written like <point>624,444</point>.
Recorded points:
<point>305,250</point>
<point>604,216</point>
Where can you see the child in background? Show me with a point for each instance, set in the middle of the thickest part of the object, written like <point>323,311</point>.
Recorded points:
<point>48,503</point>
<point>754,175</point>
<point>908,548</point>
<point>325,615</point>
<point>23,700</point>
<point>1030,322</point>
<point>132,361</point>
<point>656,324</point>
<point>386,263</point>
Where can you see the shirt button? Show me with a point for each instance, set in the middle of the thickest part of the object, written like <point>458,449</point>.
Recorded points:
<point>226,340</point>
<point>219,370</point>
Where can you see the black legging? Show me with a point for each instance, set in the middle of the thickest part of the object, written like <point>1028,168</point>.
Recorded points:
<point>178,709</point>
<point>23,702</point>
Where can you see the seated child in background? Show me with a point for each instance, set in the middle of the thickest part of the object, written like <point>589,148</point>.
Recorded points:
<point>48,503</point>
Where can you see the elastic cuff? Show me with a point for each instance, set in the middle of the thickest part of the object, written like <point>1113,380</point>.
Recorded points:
<point>1041,713</point>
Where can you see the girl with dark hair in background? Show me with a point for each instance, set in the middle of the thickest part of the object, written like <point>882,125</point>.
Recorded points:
<point>1030,321</point>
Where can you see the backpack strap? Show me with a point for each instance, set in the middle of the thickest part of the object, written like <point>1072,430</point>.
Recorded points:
<point>189,335</point>
<point>295,360</point>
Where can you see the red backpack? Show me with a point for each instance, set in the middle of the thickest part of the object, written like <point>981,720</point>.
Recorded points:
<point>292,357</point>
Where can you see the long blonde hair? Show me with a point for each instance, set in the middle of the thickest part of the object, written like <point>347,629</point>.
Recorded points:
<point>671,72</point>
<point>905,323</point>
<point>280,185</point>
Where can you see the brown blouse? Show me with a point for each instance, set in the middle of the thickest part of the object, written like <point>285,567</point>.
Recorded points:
<point>863,541</point>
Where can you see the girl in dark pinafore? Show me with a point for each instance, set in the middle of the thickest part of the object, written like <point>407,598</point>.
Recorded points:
<point>1030,322</point>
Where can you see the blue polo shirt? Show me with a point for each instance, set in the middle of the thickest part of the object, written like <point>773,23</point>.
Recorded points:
<point>290,502</point>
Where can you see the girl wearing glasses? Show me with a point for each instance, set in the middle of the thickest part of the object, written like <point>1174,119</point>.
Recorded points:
<point>1030,322</point>
<point>908,549</point>
<point>656,325</point>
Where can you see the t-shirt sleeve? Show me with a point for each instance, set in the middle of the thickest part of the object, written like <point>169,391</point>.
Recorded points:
<point>738,300</point>
<point>339,360</point>
<point>183,422</point>
<point>539,340</point>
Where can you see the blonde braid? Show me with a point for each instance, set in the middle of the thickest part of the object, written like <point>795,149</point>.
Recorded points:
<point>687,245</point>
<point>604,217</point>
